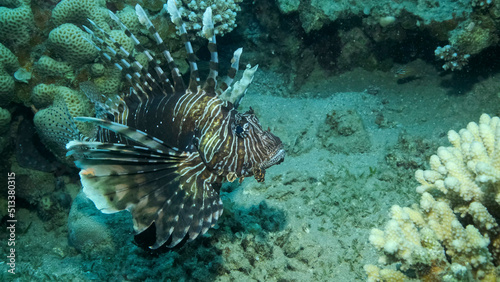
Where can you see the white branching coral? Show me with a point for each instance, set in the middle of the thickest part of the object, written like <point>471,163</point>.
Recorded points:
<point>224,14</point>
<point>453,59</point>
<point>454,233</point>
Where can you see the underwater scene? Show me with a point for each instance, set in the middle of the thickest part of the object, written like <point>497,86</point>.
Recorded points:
<point>250,140</point>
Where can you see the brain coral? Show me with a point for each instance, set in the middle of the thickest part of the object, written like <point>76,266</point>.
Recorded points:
<point>8,65</point>
<point>129,18</point>
<point>16,22</point>
<point>69,42</point>
<point>50,67</point>
<point>432,239</point>
<point>78,11</point>
<point>55,128</point>
<point>55,124</point>
<point>4,120</point>
<point>43,95</point>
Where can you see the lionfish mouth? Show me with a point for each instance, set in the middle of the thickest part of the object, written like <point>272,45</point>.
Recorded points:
<point>275,158</point>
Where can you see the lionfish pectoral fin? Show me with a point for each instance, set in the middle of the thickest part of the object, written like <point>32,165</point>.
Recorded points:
<point>170,189</point>
<point>117,176</point>
<point>192,209</point>
<point>130,133</point>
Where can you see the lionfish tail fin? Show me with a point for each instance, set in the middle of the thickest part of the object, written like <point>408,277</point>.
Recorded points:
<point>175,16</point>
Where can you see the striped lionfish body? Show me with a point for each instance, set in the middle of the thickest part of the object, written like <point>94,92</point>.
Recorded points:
<point>163,150</point>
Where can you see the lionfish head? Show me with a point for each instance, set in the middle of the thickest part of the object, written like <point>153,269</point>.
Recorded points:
<point>262,148</point>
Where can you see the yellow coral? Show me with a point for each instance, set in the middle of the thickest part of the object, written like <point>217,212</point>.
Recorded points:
<point>8,65</point>
<point>376,274</point>
<point>16,23</point>
<point>463,179</point>
<point>76,103</point>
<point>50,67</point>
<point>78,11</point>
<point>72,44</point>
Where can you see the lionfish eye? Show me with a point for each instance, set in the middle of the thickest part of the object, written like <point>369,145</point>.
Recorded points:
<point>239,129</point>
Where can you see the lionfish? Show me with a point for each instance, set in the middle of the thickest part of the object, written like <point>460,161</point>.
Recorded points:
<point>163,150</point>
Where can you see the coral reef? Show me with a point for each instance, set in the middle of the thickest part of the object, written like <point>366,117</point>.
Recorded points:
<point>315,14</point>
<point>4,120</point>
<point>454,61</point>
<point>46,66</point>
<point>43,95</point>
<point>51,121</point>
<point>224,12</point>
<point>16,22</point>
<point>33,185</point>
<point>8,66</point>
<point>88,231</point>
<point>469,27</point>
<point>454,232</point>
<point>72,44</point>
<point>78,11</point>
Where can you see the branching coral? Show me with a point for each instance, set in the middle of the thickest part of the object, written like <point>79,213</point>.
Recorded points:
<point>469,38</point>
<point>454,233</point>
<point>224,14</point>
<point>453,60</point>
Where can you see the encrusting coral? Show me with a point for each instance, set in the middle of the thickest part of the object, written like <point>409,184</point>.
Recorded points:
<point>454,233</point>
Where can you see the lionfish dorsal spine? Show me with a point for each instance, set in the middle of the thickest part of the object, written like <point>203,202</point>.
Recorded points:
<point>235,62</point>
<point>174,70</point>
<point>209,33</point>
<point>137,75</point>
<point>194,80</point>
